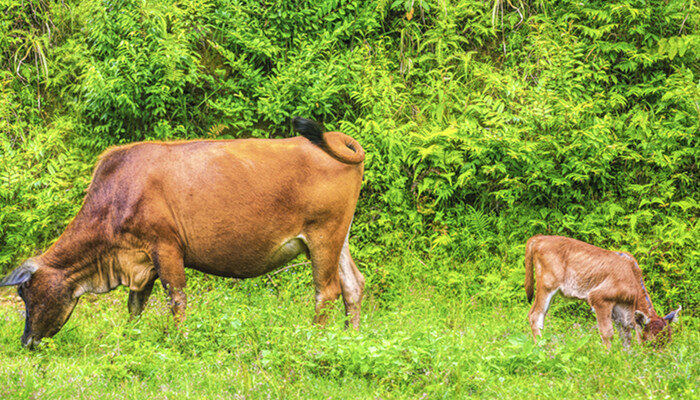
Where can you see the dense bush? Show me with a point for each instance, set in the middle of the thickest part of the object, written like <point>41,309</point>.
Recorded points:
<point>484,122</point>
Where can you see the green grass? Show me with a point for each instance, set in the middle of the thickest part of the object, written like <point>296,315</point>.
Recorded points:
<point>253,339</point>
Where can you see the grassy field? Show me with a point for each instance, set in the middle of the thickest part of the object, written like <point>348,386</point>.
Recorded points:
<point>254,340</point>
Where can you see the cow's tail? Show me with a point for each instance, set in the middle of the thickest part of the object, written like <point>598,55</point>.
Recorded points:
<point>338,145</point>
<point>529,270</point>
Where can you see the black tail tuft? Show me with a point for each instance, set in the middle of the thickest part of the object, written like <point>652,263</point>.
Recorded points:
<point>309,129</point>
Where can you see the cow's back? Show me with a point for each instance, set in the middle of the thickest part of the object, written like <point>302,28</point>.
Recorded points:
<point>226,203</point>
<point>578,267</point>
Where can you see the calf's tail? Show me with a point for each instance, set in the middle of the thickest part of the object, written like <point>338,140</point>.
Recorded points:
<point>529,272</point>
<point>338,145</point>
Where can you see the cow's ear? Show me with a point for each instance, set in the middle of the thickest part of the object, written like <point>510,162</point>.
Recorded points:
<point>673,315</point>
<point>640,318</point>
<point>20,274</point>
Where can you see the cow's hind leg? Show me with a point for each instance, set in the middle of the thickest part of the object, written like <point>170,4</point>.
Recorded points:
<point>325,257</point>
<point>171,271</point>
<point>137,300</point>
<point>543,298</point>
<point>352,284</point>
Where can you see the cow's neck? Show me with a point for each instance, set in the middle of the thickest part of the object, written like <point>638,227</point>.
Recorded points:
<point>91,266</point>
<point>129,267</point>
<point>78,246</point>
<point>643,301</point>
<point>104,275</point>
<point>83,274</point>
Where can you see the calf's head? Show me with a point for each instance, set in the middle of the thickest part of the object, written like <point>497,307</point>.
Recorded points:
<point>656,330</point>
<point>47,299</point>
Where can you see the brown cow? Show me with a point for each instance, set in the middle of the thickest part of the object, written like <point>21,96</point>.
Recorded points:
<point>233,208</point>
<point>610,282</point>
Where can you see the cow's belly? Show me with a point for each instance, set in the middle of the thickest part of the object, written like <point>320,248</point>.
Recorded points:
<point>573,288</point>
<point>244,260</point>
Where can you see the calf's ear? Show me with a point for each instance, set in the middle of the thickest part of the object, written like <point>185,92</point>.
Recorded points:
<point>20,274</point>
<point>640,318</point>
<point>673,315</point>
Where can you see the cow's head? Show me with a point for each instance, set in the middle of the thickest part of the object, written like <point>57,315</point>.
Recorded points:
<point>655,329</point>
<point>47,299</point>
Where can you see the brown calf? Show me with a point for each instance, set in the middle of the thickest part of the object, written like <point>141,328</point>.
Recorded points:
<point>233,208</point>
<point>610,282</point>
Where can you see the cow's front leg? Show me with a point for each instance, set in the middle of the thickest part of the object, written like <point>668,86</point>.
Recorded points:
<point>603,313</point>
<point>625,335</point>
<point>137,300</point>
<point>171,270</point>
<point>624,318</point>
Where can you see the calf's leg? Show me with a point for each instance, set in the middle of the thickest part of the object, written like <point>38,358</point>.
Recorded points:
<point>625,335</point>
<point>543,298</point>
<point>623,317</point>
<point>352,284</point>
<point>603,313</point>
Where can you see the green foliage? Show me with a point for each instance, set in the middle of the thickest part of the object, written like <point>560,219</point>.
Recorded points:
<point>484,122</point>
<point>136,68</point>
